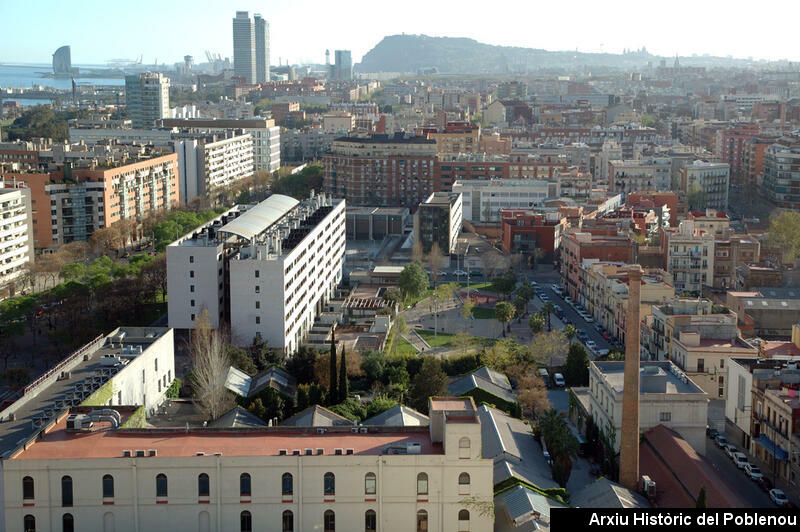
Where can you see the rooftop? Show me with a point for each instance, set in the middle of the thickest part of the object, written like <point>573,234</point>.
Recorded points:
<point>676,381</point>
<point>397,138</point>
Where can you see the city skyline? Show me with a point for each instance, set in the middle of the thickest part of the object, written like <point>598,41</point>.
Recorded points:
<point>301,31</point>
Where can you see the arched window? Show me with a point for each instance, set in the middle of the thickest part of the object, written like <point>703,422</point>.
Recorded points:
<point>422,484</point>
<point>330,484</point>
<point>244,485</point>
<point>287,486</point>
<point>463,447</point>
<point>27,488</point>
<point>370,521</point>
<point>29,523</point>
<point>369,484</point>
<point>245,522</point>
<point>161,485</point>
<point>203,485</point>
<point>422,521</point>
<point>463,520</point>
<point>66,491</point>
<point>329,521</point>
<point>67,523</point>
<point>288,521</point>
<point>463,484</point>
<point>108,486</point>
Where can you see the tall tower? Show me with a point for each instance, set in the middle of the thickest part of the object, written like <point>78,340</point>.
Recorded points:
<point>262,48</point>
<point>344,65</point>
<point>629,444</point>
<point>244,49</point>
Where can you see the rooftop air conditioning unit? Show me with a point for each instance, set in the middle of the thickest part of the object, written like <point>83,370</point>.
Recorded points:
<point>199,453</point>
<point>648,486</point>
<point>321,430</point>
<point>78,421</point>
<point>413,448</point>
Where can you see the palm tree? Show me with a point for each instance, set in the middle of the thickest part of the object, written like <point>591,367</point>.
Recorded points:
<point>536,323</point>
<point>526,291</point>
<point>547,309</point>
<point>519,306</point>
<point>570,331</point>
<point>505,313</point>
<point>561,444</point>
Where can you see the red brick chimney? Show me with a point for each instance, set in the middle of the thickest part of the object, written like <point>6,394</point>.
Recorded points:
<point>629,443</point>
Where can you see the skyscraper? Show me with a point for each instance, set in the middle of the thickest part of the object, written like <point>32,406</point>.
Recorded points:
<point>244,47</point>
<point>146,98</point>
<point>343,68</point>
<point>262,49</point>
<point>62,62</point>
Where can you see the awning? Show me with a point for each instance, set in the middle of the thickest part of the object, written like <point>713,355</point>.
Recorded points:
<point>771,448</point>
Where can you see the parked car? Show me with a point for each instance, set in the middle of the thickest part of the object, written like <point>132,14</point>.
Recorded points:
<point>568,300</point>
<point>544,297</point>
<point>601,352</point>
<point>778,497</point>
<point>712,433</point>
<point>588,318</point>
<point>740,459</point>
<point>606,335</point>
<point>591,344</point>
<point>730,450</point>
<point>558,380</point>
<point>765,484</point>
<point>753,472</point>
<point>545,376</point>
<point>460,272</point>
<point>722,442</point>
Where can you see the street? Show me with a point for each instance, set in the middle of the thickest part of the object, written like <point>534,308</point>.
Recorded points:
<point>736,479</point>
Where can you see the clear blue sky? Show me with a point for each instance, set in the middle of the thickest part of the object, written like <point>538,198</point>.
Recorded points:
<point>302,29</point>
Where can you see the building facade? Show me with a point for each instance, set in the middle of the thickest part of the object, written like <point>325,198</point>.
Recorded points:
<point>706,185</point>
<point>782,175</point>
<point>146,99</point>
<point>210,163</point>
<point>261,34</point>
<point>689,256</point>
<point>16,236</point>
<point>484,200</point>
<point>244,47</point>
<point>438,220</point>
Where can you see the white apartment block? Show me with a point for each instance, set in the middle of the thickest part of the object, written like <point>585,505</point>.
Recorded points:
<point>483,201</point>
<point>16,233</point>
<point>338,123</point>
<point>424,479</point>
<point>709,182</point>
<point>689,257</point>
<point>268,270</point>
<point>667,397</point>
<point>640,175</point>
<point>209,163</point>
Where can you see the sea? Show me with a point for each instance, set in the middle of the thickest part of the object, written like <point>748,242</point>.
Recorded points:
<point>26,76</point>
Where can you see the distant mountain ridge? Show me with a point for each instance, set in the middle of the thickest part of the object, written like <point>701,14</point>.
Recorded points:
<point>459,55</point>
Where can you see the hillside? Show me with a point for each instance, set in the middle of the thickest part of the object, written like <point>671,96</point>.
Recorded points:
<point>409,53</point>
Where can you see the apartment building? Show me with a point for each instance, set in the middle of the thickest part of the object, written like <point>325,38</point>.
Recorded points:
<point>706,185</point>
<point>210,163</point>
<point>146,98</point>
<point>782,174</point>
<point>108,477</point>
<point>267,270</point>
<point>338,123</point>
<point>84,199</point>
<point>471,167</point>
<point>381,170</point>
<point>730,146</point>
<point>16,235</point>
<point>668,320</point>
<point>601,245</point>
<point>484,200</point>
<point>666,397</point>
<point>575,183</point>
<point>457,137</point>
<point>298,145</point>
<point>536,234</point>
<point>689,256</point>
<point>639,175</point>
<point>265,136</point>
<point>438,220</point>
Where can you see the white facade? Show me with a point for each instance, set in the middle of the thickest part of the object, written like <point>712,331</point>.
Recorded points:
<point>666,398</point>
<point>92,136</point>
<point>641,175</point>
<point>336,478</point>
<point>710,180</point>
<point>482,200</point>
<point>266,148</point>
<point>690,257</point>
<point>16,233</point>
<point>146,98</point>
<point>338,123</point>
<point>208,164</point>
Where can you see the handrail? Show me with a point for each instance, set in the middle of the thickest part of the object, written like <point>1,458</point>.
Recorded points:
<point>62,364</point>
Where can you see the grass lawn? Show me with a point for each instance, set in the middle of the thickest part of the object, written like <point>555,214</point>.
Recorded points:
<point>411,300</point>
<point>483,313</point>
<point>405,348</point>
<point>478,286</point>
<point>446,339</point>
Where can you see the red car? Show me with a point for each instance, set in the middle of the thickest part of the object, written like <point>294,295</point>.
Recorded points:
<point>607,335</point>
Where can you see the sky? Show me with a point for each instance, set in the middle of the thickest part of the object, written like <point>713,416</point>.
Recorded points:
<point>301,30</point>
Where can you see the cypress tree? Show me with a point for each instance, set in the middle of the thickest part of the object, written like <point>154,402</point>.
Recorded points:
<point>344,385</point>
<point>333,395</point>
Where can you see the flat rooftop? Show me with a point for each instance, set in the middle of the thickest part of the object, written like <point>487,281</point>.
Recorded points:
<point>104,442</point>
<point>614,373</point>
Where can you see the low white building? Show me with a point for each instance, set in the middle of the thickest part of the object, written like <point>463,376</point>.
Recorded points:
<point>666,397</point>
<point>16,235</point>
<point>483,201</point>
<point>267,271</point>
<point>93,135</point>
<point>267,478</point>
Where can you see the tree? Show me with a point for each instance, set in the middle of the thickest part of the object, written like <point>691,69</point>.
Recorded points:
<point>784,234</point>
<point>431,381</point>
<point>380,404</point>
<point>696,197</point>
<point>570,332</point>
<point>301,365</point>
<point>561,445</point>
<point>519,306</point>
<point>344,384</point>
<point>462,340</point>
<point>549,348</point>
<point>547,309</point>
<point>576,369</point>
<point>333,393</point>
<point>413,280</point>
<point>209,369</point>
<point>701,499</point>
<point>374,366</point>
<point>505,283</point>
<point>466,311</point>
<point>417,253</point>
<point>526,291</point>
<point>303,397</point>
<point>240,359</point>
<point>436,261</point>
<point>532,395</point>
<point>536,323</point>
<point>505,313</point>
<point>393,295</point>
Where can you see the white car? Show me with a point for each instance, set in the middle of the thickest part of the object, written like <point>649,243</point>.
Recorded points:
<point>778,497</point>
<point>558,380</point>
<point>588,318</point>
<point>740,459</point>
<point>591,344</point>
<point>568,300</point>
<point>460,272</point>
<point>730,450</point>
<point>753,472</point>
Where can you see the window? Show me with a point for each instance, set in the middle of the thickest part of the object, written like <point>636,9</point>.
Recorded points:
<point>258,289</point>
<point>27,488</point>
<point>370,521</point>
<point>244,485</point>
<point>722,363</point>
<point>257,274</point>
<point>191,289</point>
<point>463,479</point>
<point>369,484</point>
<point>156,364</point>
<point>701,364</point>
<point>191,303</point>
<point>330,484</point>
<point>286,484</point>
<point>258,319</point>
<point>203,488</point>
<point>191,258</point>
<point>29,524</point>
<point>66,491</point>
<point>288,521</point>
<point>161,485</point>
<point>422,484</point>
<point>108,486</point>
<point>463,520</point>
<point>245,522</point>
<point>191,274</point>
<point>258,304</point>
<point>67,523</point>
<point>329,520</point>
<point>422,521</point>
<point>463,448</point>
<point>665,416</point>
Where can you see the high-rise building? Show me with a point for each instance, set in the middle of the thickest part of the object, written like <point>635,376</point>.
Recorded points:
<point>16,246</point>
<point>244,47</point>
<point>262,49</point>
<point>62,61</point>
<point>146,99</point>
<point>343,68</point>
